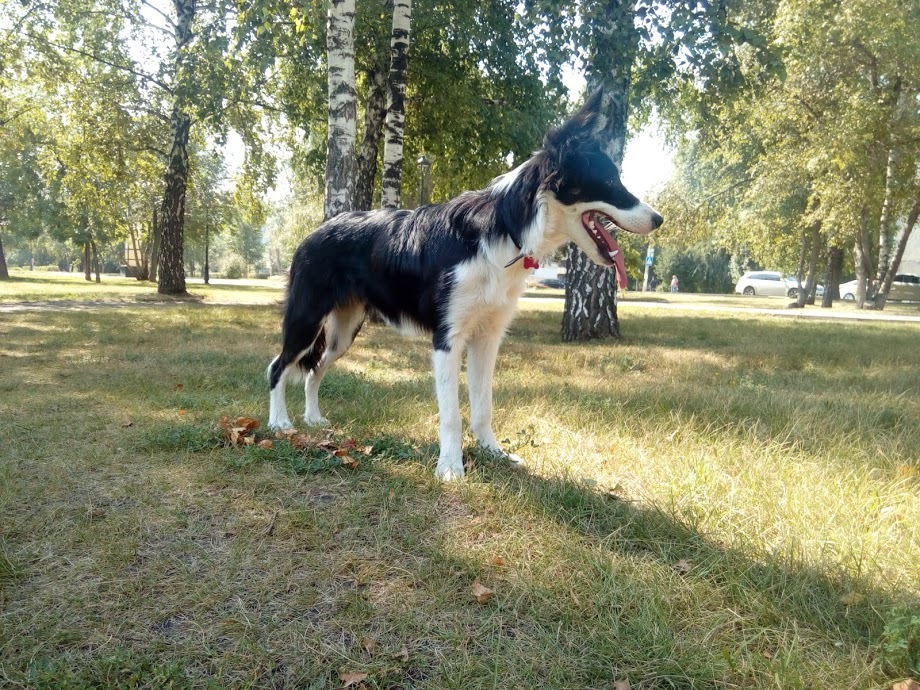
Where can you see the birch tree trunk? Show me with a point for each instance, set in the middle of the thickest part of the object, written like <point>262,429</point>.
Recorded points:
<point>374,117</point>
<point>171,278</point>
<point>391,187</point>
<point>884,234</point>
<point>340,142</point>
<point>154,248</point>
<point>171,269</point>
<point>861,259</point>
<point>882,297</point>
<point>591,290</point>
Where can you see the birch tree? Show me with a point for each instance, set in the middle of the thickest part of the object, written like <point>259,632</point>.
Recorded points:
<point>590,290</point>
<point>342,132</point>
<point>391,188</point>
<point>171,278</point>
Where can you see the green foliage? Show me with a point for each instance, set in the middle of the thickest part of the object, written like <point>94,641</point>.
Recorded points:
<point>901,642</point>
<point>806,144</point>
<point>700,268</point>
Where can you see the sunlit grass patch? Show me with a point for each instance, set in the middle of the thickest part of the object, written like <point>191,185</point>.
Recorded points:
<point>714,501</point>
<point>73,288</point>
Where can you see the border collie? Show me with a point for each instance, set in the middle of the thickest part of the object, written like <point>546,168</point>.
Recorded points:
<point>454,271</point>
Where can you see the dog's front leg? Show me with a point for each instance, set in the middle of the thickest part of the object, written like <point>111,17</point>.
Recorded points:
<point>480,366</point>
<point>447,382</point>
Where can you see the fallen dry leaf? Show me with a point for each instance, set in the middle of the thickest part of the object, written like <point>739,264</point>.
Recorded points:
<point>248,423</point>
<point>367,450</point>
<point>248,440</point>
<point>340,452</point>
<point>179,386</point>
<point>402,655</point>
<point>350,462</point>
<point>481,593</point>
<point>301,441</point>
<point>498,560</point>
<point>182,413</point>
<point>266,444</point>
<point>908,684</point>
<point>352,678</point>
<point>622,685</point>
<point>683,566</point>
<point>369,643</point>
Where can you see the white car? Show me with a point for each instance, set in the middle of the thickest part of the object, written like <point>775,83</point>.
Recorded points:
<point>770,283</point>
<point>904,287</point>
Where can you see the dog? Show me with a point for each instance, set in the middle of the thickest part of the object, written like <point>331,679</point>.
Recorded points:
<point>453,271</point>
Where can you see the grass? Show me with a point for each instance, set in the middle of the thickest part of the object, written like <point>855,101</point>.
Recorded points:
<point>25,286</point>
<point>717,501</point>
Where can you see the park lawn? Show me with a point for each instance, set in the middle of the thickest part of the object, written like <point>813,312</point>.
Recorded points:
<point>715,501</point>
<point>25,286</point>
<point>41,287</point>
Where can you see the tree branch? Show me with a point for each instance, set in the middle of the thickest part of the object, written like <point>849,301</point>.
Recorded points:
<point>4,123</point>
<point>161,13</point>
<point>870,56</point>
<point>712,196</point>
<point>125,68</point>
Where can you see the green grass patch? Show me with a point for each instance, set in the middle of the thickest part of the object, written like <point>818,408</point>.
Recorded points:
<point>716,501</point>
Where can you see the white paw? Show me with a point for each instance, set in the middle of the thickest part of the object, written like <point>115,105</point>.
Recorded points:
<point>316,420</point>
<point>448,470</point>
<point>280,424</point>
<point>515,460</point>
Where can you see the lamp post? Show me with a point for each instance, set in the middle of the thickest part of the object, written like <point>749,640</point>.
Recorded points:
<point>424,185</point>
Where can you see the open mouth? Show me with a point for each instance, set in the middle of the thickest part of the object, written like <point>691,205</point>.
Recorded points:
<point>601,228</point>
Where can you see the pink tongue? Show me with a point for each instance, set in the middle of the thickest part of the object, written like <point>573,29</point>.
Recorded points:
<point>618,261</point>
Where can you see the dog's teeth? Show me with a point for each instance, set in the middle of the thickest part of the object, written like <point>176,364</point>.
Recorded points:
<point>614,253</point>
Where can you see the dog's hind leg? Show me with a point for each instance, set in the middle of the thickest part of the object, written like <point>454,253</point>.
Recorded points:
<point>277,405</point>
<point>447,382</point>
<point>480,366</point>
<point>303,347</point>
<point>341,329</point>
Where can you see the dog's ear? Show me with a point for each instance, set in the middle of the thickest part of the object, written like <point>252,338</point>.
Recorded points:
<point>583,126</point>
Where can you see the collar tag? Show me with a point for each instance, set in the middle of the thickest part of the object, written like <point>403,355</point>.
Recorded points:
<point>530,262</point>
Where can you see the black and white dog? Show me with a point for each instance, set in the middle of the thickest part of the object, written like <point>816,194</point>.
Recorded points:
<point>454,271</point>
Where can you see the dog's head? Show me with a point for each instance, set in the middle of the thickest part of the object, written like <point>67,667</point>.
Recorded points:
<point>583,189</point>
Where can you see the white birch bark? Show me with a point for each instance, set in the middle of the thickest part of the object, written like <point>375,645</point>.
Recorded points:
<point>340,149</point>
<point>396,106</point>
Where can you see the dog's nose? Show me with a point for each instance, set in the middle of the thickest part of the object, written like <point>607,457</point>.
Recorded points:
<point>657,220</point>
